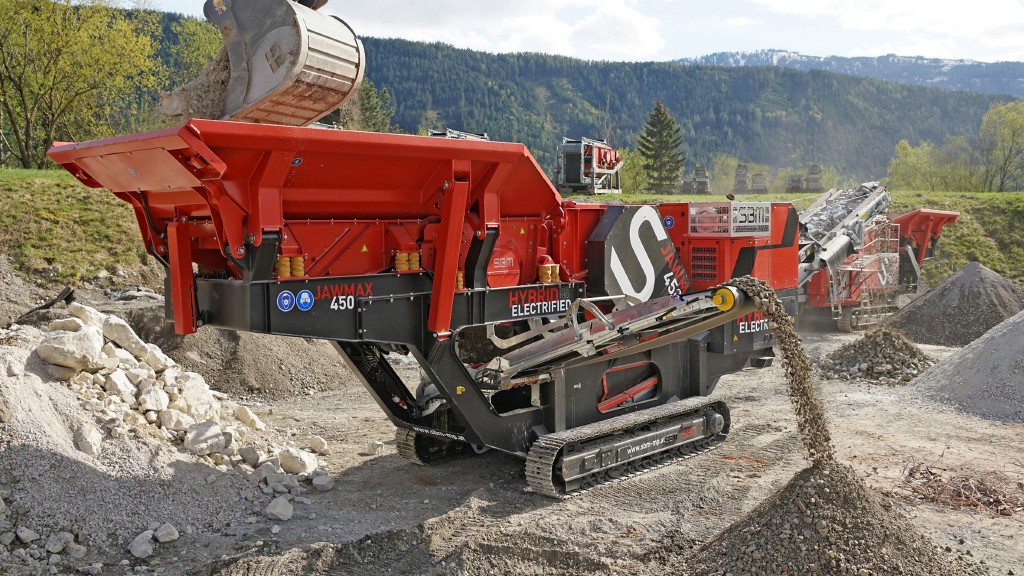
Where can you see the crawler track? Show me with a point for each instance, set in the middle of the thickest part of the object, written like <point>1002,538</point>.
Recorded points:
<point>542,474</point>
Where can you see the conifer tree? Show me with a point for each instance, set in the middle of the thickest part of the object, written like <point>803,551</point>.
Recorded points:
<point>660,144</point>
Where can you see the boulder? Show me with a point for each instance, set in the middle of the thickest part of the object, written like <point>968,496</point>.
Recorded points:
<point>58,542</point>
<point>280,509</point>
<point>117,383</point>
<point>66,324</point>
<point>323,482</point>
<point>296,461</point>
<point>318,444</point>
<point>204,438</point>
<point>250,455</point>
<point>74,350</point>
<point>119,332</point>
<point>153,398</point>
<point>247,417</point>
<point>76,551</point>
<point>142,545</point>
<point>198,398</point>
<point>175,420</point>
<point>157,359</point>
<point>89,439</point>
<point>282,482</point>
<point>61,373</point>
<point>89,316</point>
<point>166,533</point>
<point>28,535</point>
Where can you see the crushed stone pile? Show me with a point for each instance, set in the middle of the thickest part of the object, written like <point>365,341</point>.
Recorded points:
<point>986,378</point>
<point>961,309</point>
<point>826,521</point>
<point>108,447</point>
<point>880,357</point>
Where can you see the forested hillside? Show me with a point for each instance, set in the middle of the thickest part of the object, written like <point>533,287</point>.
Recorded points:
<point>764,115</point>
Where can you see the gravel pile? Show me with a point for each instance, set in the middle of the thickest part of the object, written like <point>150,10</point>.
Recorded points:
<point>961,309</point>
<point>880,357</point>
<point>826,521</point>
<point>986,378</point>
<point>107,447</point>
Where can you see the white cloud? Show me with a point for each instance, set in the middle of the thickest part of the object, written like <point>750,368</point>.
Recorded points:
<point>592,29</point>
<point>740,22</point>
<point>940,28</point>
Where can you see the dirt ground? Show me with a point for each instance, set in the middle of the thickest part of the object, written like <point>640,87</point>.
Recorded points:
<point>386,516</point>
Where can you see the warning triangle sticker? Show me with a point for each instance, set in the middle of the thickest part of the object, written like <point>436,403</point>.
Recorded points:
<point>364,249</point>
<point>735,338</point>
<point>522,231</point>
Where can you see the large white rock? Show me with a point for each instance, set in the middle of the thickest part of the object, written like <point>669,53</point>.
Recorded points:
<point>165,533</point>
<point>198,398</point>
<point>74,350</point>
<point>279,509</point>
<point>142,545</point>
<point>175,420</point>
<point>58,542</point>
<point>247,417</point>
<point>153,398</point>
<point>123,356</point>
<point>318,444</point>
<point>137,375</point>
<point>121,333</point>
<point>89,316</point>
<point>157,359</point>
<point>204,438</point>
<point>296,461</point>
<point>89,439</point>
<point>117,383</point>
<point>66,324</point>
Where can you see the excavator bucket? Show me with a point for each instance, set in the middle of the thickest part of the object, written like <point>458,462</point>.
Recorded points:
<point>289,64</point>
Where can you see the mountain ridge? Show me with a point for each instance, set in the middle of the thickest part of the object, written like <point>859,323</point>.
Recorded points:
<point>997,78</point>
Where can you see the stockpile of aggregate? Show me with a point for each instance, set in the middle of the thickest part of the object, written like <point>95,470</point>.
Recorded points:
<point>880,357</point>
<point>961,309</point>
<point>986,378</point>
<point>825,520</point>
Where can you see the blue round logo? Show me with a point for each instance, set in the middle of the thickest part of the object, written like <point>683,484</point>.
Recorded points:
<point>304,300</point>
<point>669,222</point>
<point>285,301</point>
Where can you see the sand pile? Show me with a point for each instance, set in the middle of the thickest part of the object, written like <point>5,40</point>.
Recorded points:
<point>986,378</point>
<point>880,357</point>
<point>826,521</point>
<point>961,309</point>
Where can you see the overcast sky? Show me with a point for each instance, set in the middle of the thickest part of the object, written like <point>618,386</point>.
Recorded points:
<point>986,30</point>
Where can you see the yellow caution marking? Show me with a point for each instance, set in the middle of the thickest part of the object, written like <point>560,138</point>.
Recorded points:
<point>364,249</point>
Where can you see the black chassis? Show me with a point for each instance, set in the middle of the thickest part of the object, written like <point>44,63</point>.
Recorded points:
<point>366,317</point>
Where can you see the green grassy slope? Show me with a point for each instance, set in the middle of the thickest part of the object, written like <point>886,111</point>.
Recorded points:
<point>55,230</point>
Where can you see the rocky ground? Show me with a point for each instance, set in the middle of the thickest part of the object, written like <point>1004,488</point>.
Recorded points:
<point>155,500</point>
